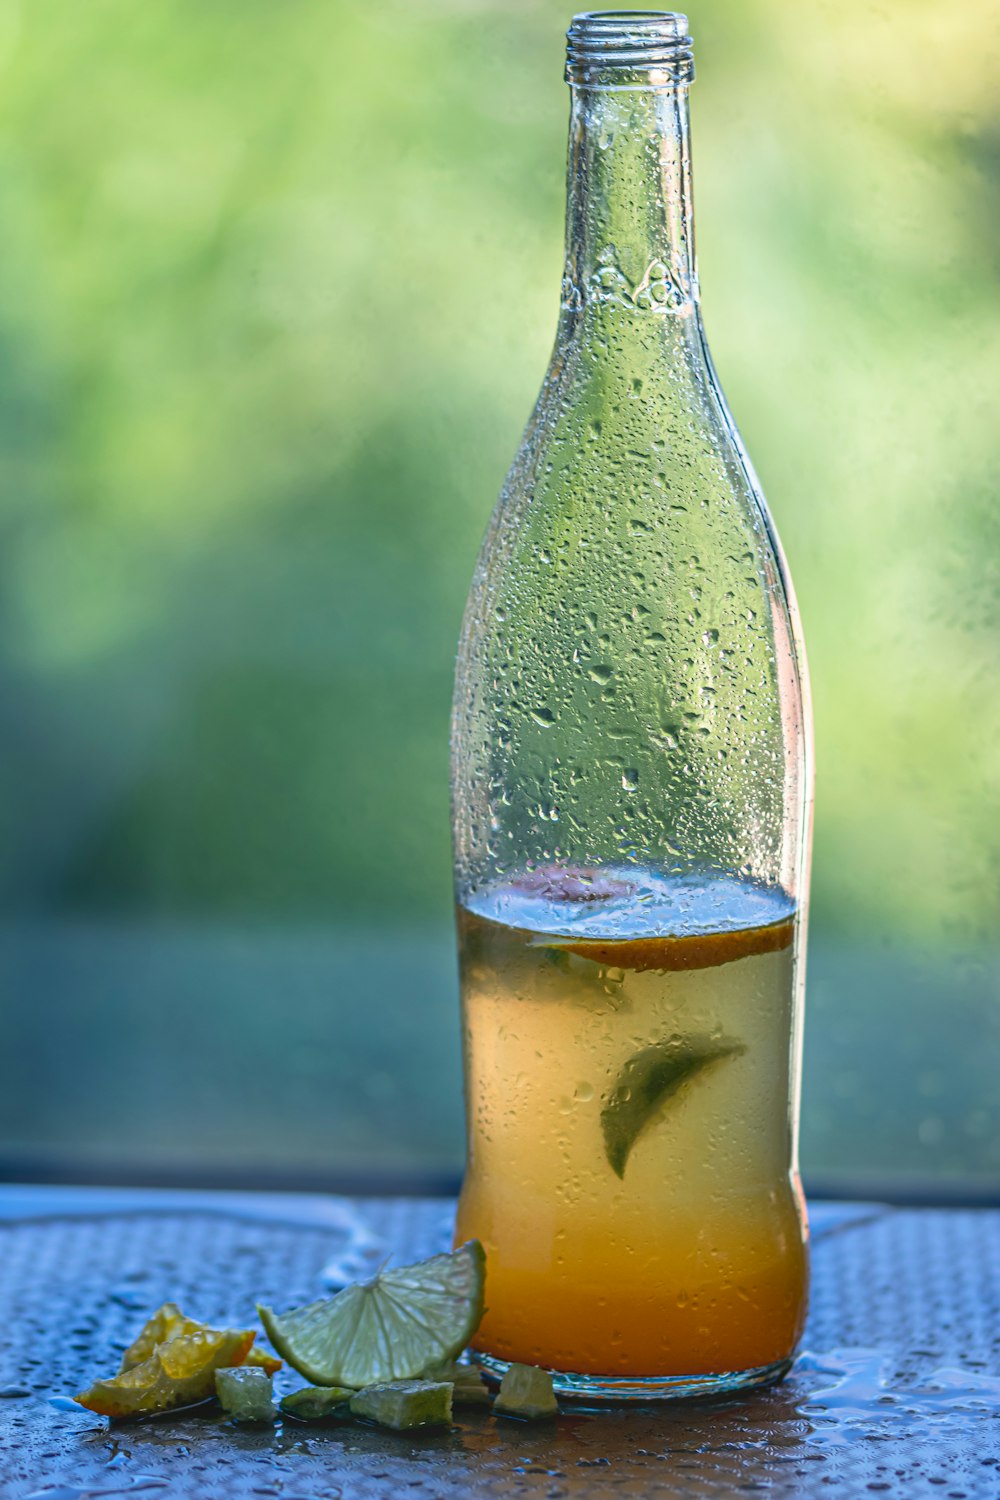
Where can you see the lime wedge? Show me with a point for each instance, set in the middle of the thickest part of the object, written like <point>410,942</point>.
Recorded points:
<point>648,1080</point>
<point>393,1327</point>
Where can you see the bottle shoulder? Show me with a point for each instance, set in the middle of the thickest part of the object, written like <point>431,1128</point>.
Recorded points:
<point>632,465</point>
<point>629,645</point>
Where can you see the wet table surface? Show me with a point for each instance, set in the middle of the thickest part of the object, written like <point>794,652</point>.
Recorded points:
<point>896,1391</point>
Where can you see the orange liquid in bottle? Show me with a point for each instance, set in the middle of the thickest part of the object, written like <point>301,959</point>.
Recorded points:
<point>629,1101</point>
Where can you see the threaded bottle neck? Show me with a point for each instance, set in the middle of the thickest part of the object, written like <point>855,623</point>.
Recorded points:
<point>629,49</point>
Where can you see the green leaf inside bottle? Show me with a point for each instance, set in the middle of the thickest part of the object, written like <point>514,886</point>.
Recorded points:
<point>648,1081</point>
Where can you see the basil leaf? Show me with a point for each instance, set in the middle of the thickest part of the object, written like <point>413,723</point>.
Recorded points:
<point>648,1080</point>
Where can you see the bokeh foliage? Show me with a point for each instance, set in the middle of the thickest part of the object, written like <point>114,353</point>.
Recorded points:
<point>278,281</point>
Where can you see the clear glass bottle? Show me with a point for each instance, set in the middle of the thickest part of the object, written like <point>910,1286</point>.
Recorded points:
<point>631,771</point>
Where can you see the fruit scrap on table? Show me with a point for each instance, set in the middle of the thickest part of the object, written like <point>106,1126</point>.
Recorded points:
<point>526,1392</point>
<point>397,1326</point>
<point>246,1394</point>
<point>171,1363</point>
<point>383,1350</point>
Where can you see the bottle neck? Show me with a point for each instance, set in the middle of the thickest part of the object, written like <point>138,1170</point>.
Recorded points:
<point>629,220</point>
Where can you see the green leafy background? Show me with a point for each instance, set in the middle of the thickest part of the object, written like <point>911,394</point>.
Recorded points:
<point>278,281</point>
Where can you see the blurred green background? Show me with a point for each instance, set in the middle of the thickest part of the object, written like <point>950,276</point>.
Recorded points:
<point>278,283</point>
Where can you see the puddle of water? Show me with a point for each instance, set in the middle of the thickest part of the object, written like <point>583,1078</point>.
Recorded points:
<point>93,1491</point>
<point>60,1492</point>
<point>860,1397</point>
<point>122,1484</point>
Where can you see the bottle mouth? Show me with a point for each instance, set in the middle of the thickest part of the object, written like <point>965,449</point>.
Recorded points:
<point>629,47</point>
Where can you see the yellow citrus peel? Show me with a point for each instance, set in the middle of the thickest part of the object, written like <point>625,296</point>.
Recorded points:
<point>171,1363</point>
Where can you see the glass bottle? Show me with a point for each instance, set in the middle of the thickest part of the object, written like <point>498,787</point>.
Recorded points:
<point>631,774</point>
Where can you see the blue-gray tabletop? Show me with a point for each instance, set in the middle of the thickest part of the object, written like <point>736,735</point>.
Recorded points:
<point>896,1390</point>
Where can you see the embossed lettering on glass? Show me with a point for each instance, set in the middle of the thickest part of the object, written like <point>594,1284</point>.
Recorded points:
<point>632,795</point>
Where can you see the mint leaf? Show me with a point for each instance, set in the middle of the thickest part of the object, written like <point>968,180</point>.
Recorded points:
<point>648,1080</point>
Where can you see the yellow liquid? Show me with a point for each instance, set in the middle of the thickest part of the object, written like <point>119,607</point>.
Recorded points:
<point>693,1261</point>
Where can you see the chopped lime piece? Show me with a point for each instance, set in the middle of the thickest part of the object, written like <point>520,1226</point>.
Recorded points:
<point>246,1393</point>
<point>526,1391</point>
<point>314,1402</point>
<point>470,1388</point>
<point>405,1403</point>
<point>390,1328</point>
<point>648,1080</point>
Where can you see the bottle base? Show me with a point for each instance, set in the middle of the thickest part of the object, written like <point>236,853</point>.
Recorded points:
<point>614,1388</point>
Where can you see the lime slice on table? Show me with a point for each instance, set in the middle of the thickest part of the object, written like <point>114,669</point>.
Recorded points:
<point>393,1327</point>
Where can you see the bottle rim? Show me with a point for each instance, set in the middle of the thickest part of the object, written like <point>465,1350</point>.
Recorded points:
<point>630,47</point>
